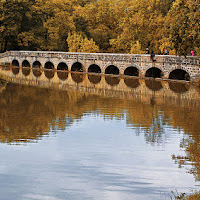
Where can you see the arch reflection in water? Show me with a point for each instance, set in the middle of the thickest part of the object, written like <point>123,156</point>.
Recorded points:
<point>153,72</point>
<point>179,87</point>
<point>77,77</point>
<point>26,68</point>
<point>36,68</point>
<point>113,81</point>
<point>15,71</point>
<point>179,74</point>
<point>94,78</point>
<point>62,75</point>
<point>132,82</point>
<point>153,85</point>
<point>26,71</point>
<point>49,73</point>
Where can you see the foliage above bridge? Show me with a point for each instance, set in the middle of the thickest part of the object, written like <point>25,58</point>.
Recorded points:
<point>125,26</point>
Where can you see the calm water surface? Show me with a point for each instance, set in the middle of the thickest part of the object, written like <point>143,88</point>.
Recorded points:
<point>80,146</point>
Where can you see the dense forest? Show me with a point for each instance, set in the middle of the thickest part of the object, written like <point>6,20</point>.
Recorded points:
<point>119,26</point>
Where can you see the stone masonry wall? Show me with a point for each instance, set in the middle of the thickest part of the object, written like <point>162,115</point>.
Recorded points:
<point>166,63</point>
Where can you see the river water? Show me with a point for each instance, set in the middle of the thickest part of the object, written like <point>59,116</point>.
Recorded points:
<point>77,145</point>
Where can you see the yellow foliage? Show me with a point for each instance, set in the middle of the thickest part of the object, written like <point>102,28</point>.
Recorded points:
<point>121,26</point>
<point>136,48</point>
<point>77,43</point>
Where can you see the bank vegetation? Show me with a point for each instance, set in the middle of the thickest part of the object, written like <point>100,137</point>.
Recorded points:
<point>119,26</point>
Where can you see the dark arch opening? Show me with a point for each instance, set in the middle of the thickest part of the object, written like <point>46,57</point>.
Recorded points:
<point>37,64</point>
<point>179,74</point>
<point>25,63</point>
<point>62,66</point>
<point>153,72</point>
<point>77,66</point>
<point>132,82</point>
<point>112,70</point>
<point>94,78</point>
<point>36,68</point>
<point>131,71</point>
<point>153,85</point>
<point>15,63</point>
<point>62,73</point>
<point>112,80</point>
<point>15,67</point>
<point>179,87</point>
<point>49,65</point>
<point>94,68</point>
<point>49,73</point>
<point>78,78</point>
<point>26,71</point>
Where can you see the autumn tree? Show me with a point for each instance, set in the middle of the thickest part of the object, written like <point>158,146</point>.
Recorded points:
<point>182,25</point>
<point>79,43</point>
<point>103,19</point>
<point>142,23</point>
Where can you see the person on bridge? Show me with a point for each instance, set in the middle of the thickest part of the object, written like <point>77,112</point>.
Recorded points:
<point>153,56</point>
<point>166,52</point>
<point>192,52</point>
<point>147,51</point>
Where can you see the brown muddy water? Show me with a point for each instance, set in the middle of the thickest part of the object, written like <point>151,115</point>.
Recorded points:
<point>84,143</point>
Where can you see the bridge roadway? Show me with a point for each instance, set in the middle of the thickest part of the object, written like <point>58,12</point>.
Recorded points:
<point>164,66</point>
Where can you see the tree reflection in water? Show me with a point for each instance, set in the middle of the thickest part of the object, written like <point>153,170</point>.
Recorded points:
<point>47,109</point>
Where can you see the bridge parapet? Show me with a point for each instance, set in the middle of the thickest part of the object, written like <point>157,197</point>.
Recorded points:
<point>192,60</point>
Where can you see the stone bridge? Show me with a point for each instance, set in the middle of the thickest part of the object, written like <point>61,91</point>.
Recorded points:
<point>161,66</point>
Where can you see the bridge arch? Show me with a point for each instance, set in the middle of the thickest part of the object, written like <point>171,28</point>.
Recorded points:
<point>154,72</point>
<point>36,66</point>
<point>25,63</point>
<point>179,74</point>
<point>15,67</point>
<point>26,71</point>
<point>94,68</point>
<point>62,71</point>
<point>112,69</point>
<point>15,63</point>
<point>62,66</point>
<point>78,67</point>
<point>49,66</point>
<point>131,71</point>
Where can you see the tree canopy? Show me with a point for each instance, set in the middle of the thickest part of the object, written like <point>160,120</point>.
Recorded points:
<point>123,26</point>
